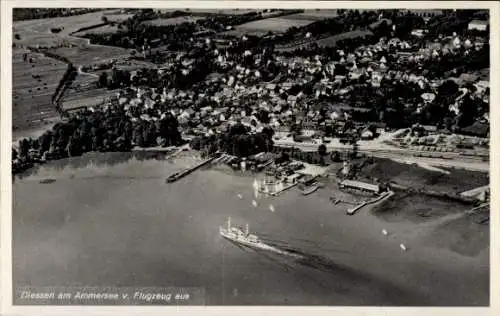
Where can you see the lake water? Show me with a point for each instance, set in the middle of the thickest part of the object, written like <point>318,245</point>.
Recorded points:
<point>111,220</point>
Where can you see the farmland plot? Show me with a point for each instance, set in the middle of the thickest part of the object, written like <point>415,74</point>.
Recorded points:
<point>45,40</point>
<point>66,24</point>
<point>174,21</point>
<point>217,11</point>
<point>91,54</point>
<point>74,99</point>
<point>276,25</point>
<point>33,84</point>
<point>330,41</point>
<point>116,16</point>
<point>314,15</point>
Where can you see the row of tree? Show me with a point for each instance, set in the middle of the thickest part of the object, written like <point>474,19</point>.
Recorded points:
<point>237,141</point>
<point>101,130</point>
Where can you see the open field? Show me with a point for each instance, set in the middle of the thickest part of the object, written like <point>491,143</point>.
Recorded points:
<point>315,15</point>
<point>37,32</point>
<point>132,64</point>
<point>92,54</point>
<point>68,25</point>
<point>32,106</point>
<point>73,99</point>
<point>277,25</point>
<point>116,16</point>
<point>219,11</point>
<point>30,39</point>
<point>330,41</point>
<point>202,12</point>
<point>33,85</point>
<point>174,21</point>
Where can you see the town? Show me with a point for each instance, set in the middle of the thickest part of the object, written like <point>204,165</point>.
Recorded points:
<point>375,91</point>
<point>381,110</point>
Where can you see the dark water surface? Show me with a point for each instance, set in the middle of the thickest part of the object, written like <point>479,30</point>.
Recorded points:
<point>111,220</point>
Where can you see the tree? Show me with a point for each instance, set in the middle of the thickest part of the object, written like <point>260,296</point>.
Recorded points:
<point>116,77</point>
<point>104,19</point>
<point>103,80</point>
<point>296,129</point>
<point>468,112</point>
<point>263,116</point>
<point>322,153</point>
<point>449,87</point>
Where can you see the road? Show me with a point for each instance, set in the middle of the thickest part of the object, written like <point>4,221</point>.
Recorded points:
<point>382,150</point>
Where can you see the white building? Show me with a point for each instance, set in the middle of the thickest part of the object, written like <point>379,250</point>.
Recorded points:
<point>478,25</point>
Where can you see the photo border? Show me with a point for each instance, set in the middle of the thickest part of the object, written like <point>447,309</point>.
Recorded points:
<point>6,306</point>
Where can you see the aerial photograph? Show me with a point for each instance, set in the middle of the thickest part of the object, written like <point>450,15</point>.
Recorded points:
<point>276,157</point>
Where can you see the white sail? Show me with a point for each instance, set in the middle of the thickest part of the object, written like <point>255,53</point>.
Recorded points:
<point>255,184</point>
<point>271,208</point>
<point>240,196</point>
<point>254,203</point>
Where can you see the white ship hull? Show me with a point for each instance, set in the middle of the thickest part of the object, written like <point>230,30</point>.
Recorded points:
<point>238,236</point>
<point>243,241</point>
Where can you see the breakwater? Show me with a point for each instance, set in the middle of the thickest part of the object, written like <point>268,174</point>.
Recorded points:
<point>379,198</point>
<point>181,174</point>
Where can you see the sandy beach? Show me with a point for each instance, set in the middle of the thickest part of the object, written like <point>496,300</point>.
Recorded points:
<point>109,219</point>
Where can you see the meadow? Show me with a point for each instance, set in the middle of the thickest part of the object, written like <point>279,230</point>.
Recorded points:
<point>33,84</point>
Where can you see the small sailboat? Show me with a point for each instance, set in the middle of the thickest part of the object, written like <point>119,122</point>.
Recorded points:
<point>240,196</point>
<point>384,232</point>
<point>254,203</point>
<point>403,247</point>
<point>255,184</point>
<point>271,208</point>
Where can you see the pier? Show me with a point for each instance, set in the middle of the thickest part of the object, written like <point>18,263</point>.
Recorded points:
<point>181,174</point>
<point>379,198</point>
<point>356,208</point>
